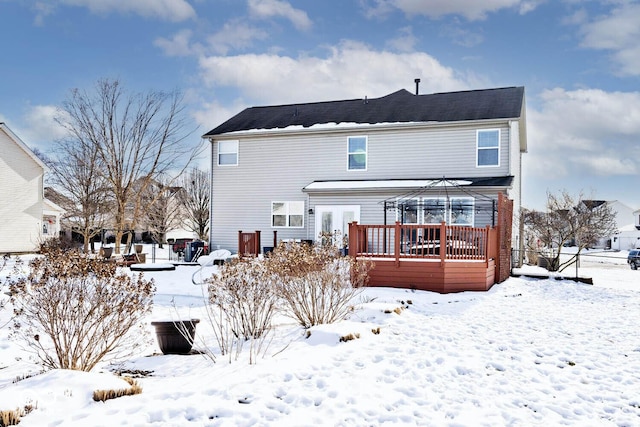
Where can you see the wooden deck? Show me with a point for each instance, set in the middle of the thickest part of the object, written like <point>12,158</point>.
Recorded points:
<point>440,258</point>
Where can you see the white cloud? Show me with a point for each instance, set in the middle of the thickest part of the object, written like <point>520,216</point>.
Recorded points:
<point>42,10</point>
<point>179,44</point>
<point>214,113</point>
<point>583,132</point>
<point>41,124</point>
<point>169,10</point>
<point>608,165</point>
<point>461,34</point>
<point>618,32</point>
<point>405,42</point>
<point>470,9</point>
<point>234,35</point>
<point>272,8</point>
<point>38,128</point>
<point>270,78</point>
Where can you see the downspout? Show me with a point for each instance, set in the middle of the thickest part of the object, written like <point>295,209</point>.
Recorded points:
<point>211,197</point>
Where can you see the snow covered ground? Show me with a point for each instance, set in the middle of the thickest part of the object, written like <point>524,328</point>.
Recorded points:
<point>528,352</point>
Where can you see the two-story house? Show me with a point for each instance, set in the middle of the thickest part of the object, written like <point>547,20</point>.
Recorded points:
<point>301,169</point>
<point>26,217</point>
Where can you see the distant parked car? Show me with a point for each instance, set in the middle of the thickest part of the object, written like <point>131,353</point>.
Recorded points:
<point>634,259</point>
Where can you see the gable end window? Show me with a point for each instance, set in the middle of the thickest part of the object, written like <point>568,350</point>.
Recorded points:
<point>287,214</point>
<point>488,147</point>
<point>227,153</point>
<point>357,153</point>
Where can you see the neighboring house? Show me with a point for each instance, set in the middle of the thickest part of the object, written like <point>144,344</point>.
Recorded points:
<point>628,223</point>
<point>302,169</point>
<point>26,218</point>
<point>51,216</point>
<point>627,236</point>
<point>623,213</point>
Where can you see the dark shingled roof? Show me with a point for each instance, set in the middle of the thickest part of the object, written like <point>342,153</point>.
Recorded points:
<point>398,107</point>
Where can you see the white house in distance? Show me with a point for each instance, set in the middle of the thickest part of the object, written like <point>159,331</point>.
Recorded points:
<point>26,217</point>
<point>628,223</point>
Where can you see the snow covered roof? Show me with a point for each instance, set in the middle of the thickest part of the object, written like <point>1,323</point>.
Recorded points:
<point>398,107</point>
<point>352,185</point>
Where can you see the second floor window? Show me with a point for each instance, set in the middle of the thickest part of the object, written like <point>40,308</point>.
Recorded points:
<point>357,153</point>
<point>488,144</point>
<point>227,153</point>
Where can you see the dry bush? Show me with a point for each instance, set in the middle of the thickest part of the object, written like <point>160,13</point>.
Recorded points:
<point>104,395</point>
<point>349,337</point>
<point>3,292</point>
<point>12,418</point>
<point>55,244</point>
<point>315,283</point>
<point>243,303</point>
<point>73,311</point>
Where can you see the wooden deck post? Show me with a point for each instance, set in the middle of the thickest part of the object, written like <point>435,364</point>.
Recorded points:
<point>396,243</point>
<point>354,249</point>
<point>486,245</point>
<point>443,242</point>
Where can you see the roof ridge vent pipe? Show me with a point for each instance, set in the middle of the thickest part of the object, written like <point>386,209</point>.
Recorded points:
<point>417,81</point>
<point>366,100</point>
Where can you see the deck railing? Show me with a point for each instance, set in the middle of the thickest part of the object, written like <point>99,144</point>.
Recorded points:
<point>422,241</point>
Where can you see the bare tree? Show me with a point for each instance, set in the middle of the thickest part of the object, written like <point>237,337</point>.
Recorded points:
<point>137,137</point>
<point>82,190</point>
<point>195,201</point>
<point>162,213</point>
<point>570,219</point>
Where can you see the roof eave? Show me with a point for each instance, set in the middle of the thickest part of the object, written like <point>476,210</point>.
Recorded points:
<point>344,127</point>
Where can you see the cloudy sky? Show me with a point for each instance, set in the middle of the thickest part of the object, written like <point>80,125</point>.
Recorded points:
<point>579,61</point>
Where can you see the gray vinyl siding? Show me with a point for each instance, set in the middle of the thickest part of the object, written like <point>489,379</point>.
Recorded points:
<point>276,167</point>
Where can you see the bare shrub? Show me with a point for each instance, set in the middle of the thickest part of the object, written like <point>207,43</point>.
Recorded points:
<point>55,244</point>
<point>104,395</point>
<point>349,337</point>
<point>315,283</point>
<point>12,418</point>
<point>3,292</point>
<point>243,304</point>
<point>73,311</point>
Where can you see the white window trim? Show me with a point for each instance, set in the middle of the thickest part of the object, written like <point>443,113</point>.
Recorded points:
<point>288,213</point>
<point>478,147</point>
<point>366,153</point>
<point>237,151</point>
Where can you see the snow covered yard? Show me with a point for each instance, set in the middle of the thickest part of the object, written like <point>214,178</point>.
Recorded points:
<point>528,352</point>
